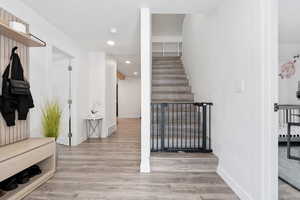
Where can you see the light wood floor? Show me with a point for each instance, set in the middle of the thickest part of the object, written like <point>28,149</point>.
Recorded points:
<point>286,192</point>
<point>108,169</point>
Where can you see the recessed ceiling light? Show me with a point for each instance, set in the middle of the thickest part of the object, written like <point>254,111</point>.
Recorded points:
<point>110,43</point>
<point>128,62</point>
<point>113,30</point>
<point>135,73</point>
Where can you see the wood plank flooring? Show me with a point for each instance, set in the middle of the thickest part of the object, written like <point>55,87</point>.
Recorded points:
<point>286,192</point>
<point>108,169</point>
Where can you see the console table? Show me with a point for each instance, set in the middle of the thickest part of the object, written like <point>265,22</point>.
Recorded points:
<point>93,126</point>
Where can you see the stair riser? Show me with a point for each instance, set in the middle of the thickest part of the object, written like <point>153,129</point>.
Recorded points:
<point>157,83</point>
<point>169,76</point>
<point>167,66</point>
<point>168,71</point>
<point>173,95</point>
<point>169,84</point>
<point>166,58</point>
<point>184,165</point>
<point>171,89</point>
<point>170,81</point>
<point>166,62</point>
<point>186,95</point>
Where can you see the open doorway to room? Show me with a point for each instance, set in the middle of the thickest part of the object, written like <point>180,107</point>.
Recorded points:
<point>128,88</point>
<point>60,91</point>
<point>289,100</point>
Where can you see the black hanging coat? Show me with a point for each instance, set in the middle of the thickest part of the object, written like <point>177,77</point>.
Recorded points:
<point>10,103</point>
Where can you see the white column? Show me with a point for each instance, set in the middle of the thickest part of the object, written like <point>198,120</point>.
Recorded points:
<point>145,88</point>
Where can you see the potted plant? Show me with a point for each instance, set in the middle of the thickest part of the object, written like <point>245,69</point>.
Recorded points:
<point>51,116</point>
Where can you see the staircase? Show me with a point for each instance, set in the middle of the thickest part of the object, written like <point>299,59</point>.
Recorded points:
<point>170,85</point>
<point>169,81</point>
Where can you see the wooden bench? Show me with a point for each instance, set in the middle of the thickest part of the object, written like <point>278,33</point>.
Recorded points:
<point>14,158</point>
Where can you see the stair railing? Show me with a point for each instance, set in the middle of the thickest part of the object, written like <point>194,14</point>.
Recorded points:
<point>167,48</point>
<point>181,127</point>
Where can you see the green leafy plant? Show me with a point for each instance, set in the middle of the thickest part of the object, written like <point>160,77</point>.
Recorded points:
<point>51,115</point>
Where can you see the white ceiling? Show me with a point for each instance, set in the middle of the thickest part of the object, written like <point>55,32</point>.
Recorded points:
<point>89,22</point>
<point>167,24</point>
<point>289,21</point>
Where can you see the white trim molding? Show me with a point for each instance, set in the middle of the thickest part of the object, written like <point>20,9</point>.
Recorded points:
<point>269,25</point>
<point>233,184</point>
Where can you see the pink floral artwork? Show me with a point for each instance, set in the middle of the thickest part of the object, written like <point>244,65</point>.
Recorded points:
<point>287,70</point>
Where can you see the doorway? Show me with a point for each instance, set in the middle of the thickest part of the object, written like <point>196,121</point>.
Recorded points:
<point>60,73</point>
<point>289,101</point>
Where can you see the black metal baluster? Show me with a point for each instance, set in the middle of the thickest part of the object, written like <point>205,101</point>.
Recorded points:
<point>287,116</point>
<point>172,126</point>
<point>289,141</point>
<point>191,125</point>
<point>157,127</point>
<point>195,125</point>
<point>168,124</point>
<point>162,126</point>
<point>199,127</point>
<point>204,127</point>
<point>184,128</point>
<point>209,121</point>
<point>177,126</point>
<point>152,128</point>
<point>181,107</point>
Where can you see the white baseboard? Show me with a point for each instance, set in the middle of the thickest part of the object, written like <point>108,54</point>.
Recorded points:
<point>111,129</point>
<point>239,191</point>
<point>82,139</point>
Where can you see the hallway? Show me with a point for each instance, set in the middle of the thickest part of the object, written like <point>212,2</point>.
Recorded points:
<point>109,169</point>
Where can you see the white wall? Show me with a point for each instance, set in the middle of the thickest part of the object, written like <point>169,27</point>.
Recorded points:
<point>129,98</point>
<point>167,24</point>
<point>223,59</point>
<point>288,87</point>
<point>41,63</point>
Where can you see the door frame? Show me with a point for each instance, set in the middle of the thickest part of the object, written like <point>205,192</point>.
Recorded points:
<point>270,41</point>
